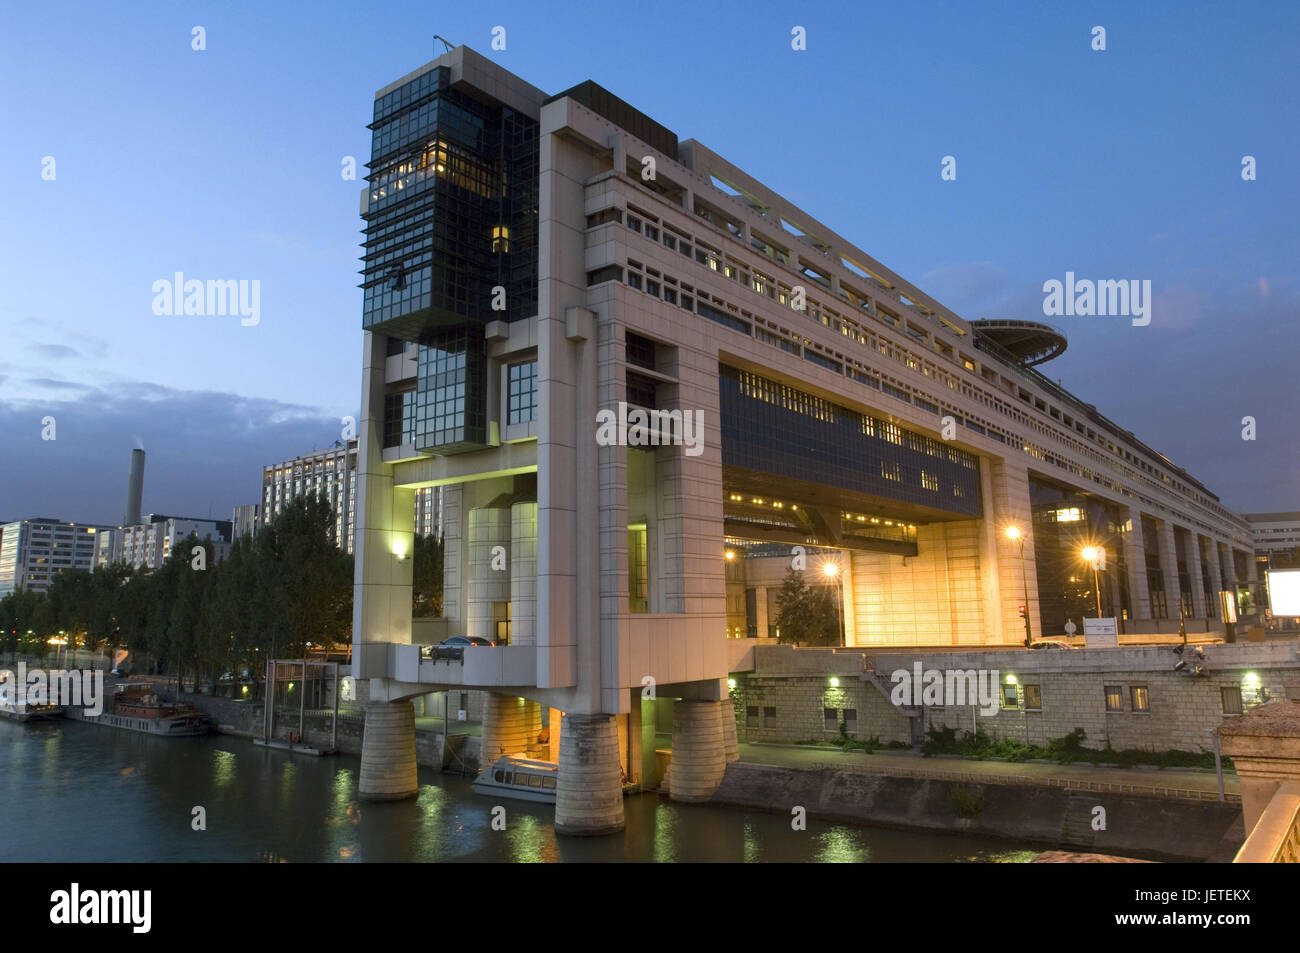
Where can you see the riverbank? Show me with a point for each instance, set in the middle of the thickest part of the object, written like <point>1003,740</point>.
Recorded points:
<point>1148,827</point>
<point>1044,805</point>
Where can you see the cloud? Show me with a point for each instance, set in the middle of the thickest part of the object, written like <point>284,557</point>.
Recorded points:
<point>55,351</point>
<point>206,450</point>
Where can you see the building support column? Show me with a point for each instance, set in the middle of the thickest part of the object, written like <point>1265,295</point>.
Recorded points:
<point>505,728</point>
<point>699,751</point>
<point>760,611</point>
<point>730,742</point>
<point>589,787</point>
<point>388,770</point>
<point>1135,562</point>
<point>1216,575</point>
<point>1194,574</point>
<point>1005,490</point>
<point>1169,569</point>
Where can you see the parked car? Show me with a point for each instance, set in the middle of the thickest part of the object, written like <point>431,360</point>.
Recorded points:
<point>453,647</point>
<point>1051,644</point>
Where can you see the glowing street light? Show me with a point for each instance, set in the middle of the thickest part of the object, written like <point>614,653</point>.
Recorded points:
<point>831,570</point>
<point>1092,555</point>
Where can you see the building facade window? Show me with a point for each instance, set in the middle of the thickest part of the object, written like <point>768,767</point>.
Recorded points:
<point>1010,697</point>
<point>769,717</point>
<point>1230,698</point>
<point>1114,698</point>
<point>1033,698</point>
<point>522,393</point>
<point>1140,698</point>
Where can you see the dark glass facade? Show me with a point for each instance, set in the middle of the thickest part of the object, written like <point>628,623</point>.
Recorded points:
<point>773,428</point>
<point>452,210</point>
<point>1065,521</point>
<point>451,242</point>
<point>450,393</point>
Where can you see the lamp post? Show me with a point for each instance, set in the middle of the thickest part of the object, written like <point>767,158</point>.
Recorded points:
<point>832,572</point>
<point>1013,533</point>
<point>1092,556</point>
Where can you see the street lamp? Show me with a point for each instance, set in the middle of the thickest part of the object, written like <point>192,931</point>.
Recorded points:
<point>832,571</point>
<point>1013,533</point>
<point>1092,556</point>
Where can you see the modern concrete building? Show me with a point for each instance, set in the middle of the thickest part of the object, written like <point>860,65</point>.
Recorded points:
<point>1277,547</point>
<point>622,358</point>
<point>245,520</point>
<point>34,551</point>
<point>148,544</point>
<point>333,472</point>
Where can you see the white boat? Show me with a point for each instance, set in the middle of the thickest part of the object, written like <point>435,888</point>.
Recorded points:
<point>516,776</point>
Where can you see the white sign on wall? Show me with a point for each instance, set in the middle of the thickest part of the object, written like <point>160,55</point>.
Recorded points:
<point>1100,633</point>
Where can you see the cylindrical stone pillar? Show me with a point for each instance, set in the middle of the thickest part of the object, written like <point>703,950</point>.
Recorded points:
<point>589,788</point>
<point>699,754</point>
<point>730,744</point>
<point>523,573</point>
<point>505,728</point>
<point>388,752</point>
<point>489,584</point>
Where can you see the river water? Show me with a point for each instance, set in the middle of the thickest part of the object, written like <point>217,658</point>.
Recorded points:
<point>76,792</point>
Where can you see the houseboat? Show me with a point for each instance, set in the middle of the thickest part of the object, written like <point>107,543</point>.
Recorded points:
<point>138,708</point>
<point>516,776</point>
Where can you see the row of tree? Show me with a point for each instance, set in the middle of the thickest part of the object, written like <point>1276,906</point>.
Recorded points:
<point>279,594</point>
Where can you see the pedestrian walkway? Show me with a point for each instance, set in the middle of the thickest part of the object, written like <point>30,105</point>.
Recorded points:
<point>1168,782</point>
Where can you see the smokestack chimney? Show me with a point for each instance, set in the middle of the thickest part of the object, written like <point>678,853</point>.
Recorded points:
<point>134,488</point>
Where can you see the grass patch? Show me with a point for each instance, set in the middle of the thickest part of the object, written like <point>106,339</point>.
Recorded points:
<point>1064,750</point>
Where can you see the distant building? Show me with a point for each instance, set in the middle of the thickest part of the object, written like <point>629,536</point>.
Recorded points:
<point>329,472</point>
<point>333,472</point>
<point>245,520</point>
<point>1275,532</point>
<point>148,544</point>
<point>34,551</point>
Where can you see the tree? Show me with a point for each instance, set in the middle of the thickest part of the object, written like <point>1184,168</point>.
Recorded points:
<point>426,572</point>
<point>806,615</point>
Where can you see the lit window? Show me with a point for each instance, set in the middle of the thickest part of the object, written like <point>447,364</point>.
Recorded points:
<point>1114,698</point>
<point>1141,698</point>
<point>500,239</point>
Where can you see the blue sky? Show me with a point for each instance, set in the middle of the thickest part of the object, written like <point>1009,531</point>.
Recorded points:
<point>225,164</point>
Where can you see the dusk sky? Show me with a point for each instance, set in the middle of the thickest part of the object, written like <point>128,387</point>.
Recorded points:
<point>225,164</point>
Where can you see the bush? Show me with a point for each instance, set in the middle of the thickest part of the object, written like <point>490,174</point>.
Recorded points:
<point>967,801</point>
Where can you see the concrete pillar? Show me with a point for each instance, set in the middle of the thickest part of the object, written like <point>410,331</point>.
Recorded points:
<point>1264,745</point>
<point>1135,563</point>
<point>532,721</point>
<point>1216,575</point>
<point>388,752</point>
<point>1192,555</point>
<point>383,538</point>
<point>699,752</point>
<point>589,789</point>
<point>1005,488</point>
<point>505,728</point>
<point>489,528</point>
<point>730,743</point>
<point>1169,568</point>
<point>844,559</point>
<point>523,573</point>
<point>453,552</point>
<point>760,611</point>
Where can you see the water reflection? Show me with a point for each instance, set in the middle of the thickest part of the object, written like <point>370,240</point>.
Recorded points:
<point>271,806</point>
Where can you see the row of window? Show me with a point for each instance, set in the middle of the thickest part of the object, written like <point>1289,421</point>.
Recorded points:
<point>763,284</point>
<point>1139,702</point>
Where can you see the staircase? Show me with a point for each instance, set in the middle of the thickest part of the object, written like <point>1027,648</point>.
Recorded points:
<point>1076,828</point>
